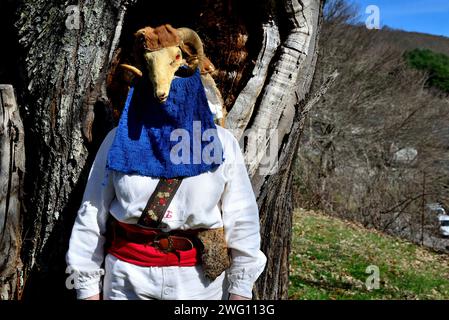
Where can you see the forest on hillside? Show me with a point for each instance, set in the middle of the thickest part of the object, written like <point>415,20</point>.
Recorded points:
<point>376,147</point>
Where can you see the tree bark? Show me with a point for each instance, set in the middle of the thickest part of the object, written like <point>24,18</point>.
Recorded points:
<point>66,64</point>
<point>12,167</point>
<point>67,110</point>
<point>280,110</point>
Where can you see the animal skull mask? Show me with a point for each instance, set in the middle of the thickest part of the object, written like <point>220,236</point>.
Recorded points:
<point>161,51</point>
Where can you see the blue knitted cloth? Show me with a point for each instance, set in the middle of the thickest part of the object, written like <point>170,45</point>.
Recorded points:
<point>177,138</point>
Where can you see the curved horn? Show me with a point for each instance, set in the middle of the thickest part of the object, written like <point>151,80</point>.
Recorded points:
<point>190,38</point>
<point>132,69</point>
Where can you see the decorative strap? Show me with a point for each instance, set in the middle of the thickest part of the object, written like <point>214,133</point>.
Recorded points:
<point>158,202</point>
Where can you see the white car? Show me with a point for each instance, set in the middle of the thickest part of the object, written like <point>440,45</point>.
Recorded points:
<point>444,224</point>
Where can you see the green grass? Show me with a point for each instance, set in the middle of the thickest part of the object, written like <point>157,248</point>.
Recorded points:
<point>330,256</point>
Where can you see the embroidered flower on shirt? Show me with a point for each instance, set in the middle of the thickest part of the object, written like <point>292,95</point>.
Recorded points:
<point>156,207</point>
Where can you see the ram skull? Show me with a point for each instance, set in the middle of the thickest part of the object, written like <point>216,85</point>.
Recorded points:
<point>160,52</point>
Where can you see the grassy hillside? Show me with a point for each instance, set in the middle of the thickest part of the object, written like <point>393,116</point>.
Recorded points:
<point>379,135</point>
<point>330,257</point>
<point>411,40</point>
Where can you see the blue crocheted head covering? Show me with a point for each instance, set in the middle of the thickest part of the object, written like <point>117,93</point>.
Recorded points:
<point>177,138</point>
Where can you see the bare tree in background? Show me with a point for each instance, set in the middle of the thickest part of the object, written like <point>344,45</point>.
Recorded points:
<point>265,52</point>
<point>375,146</point>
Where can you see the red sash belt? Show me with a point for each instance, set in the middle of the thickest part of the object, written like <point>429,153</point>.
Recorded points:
<point>153,248</point>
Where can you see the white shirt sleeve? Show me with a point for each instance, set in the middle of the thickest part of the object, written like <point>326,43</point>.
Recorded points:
<point>86,253</point>
<point>241,225</point>
<point>239,213</point>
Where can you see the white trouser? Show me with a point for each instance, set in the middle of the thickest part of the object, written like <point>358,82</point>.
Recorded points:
<point>126,281</point>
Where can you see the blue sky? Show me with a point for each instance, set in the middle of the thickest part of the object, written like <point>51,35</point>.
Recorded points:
<point>426,16</point>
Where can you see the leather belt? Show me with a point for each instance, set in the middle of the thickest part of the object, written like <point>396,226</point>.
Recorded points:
<point>165,241</point>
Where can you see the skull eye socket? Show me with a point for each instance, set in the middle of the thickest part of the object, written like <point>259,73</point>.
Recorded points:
<point>177,58</point>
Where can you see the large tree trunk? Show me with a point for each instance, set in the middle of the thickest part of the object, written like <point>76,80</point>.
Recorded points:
<point>12,167</point>
<point>265,67</point>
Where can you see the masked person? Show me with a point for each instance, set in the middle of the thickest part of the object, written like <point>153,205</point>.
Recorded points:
<point>206,202</point>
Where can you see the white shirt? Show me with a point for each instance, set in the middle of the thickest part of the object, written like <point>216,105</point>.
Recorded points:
<point>222,198</point>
